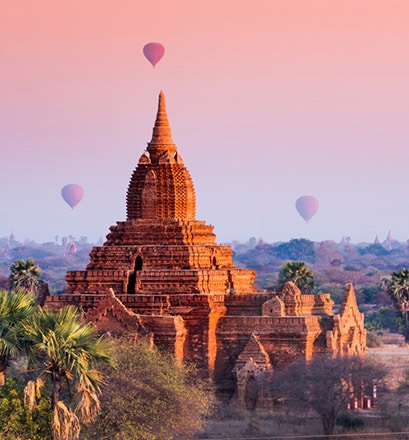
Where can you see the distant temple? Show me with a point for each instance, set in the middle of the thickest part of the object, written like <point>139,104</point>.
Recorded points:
<point>162,273</point>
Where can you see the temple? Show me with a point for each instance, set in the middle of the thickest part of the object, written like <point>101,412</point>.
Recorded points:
<point>160,272</point>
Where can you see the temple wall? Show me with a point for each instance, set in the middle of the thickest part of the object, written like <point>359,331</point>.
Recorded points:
<point>283,338</point>
<point>161,257</point>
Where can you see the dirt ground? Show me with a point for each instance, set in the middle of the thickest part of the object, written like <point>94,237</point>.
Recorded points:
<point>239,424</point>
<point>393,352</point>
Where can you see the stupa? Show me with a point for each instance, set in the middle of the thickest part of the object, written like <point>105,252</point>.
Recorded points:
<point>161,272</point>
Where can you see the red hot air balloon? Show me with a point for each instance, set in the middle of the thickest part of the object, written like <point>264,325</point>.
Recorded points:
<point>72,194</point>
<point>153,52</point>
<point>307,206</point>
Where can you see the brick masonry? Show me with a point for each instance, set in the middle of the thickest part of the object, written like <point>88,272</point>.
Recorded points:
<point>161,273</point>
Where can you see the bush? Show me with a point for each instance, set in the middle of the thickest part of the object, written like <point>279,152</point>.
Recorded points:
<point>17,421</point>
<point>384,318</point>
<point>149,396</point>
<point>372,339</point>
<point>371,293</point>
<point>349,421</point>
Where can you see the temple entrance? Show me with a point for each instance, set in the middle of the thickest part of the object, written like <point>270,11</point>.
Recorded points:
<point>132,276</point>
<point>251,393</point>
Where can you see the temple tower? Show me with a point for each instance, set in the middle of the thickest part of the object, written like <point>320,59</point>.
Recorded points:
<point>162,262</point>
<point>161,271</point>
<point>161,249</point>
<point>161,186</point>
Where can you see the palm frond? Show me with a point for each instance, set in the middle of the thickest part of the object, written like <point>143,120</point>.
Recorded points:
<point>32,393</point>
<point>65,425</point>
<point>88,404</point>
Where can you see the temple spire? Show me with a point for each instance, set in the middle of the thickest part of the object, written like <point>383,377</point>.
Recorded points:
<point>162,135</point>
<point>161,116</point>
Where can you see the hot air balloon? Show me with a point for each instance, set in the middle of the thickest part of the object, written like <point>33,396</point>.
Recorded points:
<point>72,194</point>
<point>153,52</point>
<point>307,206</point>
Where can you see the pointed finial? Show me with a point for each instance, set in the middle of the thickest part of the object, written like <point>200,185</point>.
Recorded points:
<point>161,117</point>
<point>162,136</point>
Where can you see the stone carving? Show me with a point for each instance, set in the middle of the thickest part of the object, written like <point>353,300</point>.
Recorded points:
<point>252,370</point>
<point>274,307</point>
<point>301,304</point>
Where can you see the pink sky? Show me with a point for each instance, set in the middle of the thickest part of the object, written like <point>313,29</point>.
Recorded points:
<point>268,100</point>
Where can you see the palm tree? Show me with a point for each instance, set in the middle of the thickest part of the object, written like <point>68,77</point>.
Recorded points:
<point>64,352</point>
<point>299,274</point>
<point>24,274</point>
<point>397,288</point>
<point>15,307</point>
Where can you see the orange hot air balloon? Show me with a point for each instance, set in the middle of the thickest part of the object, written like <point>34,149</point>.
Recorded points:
<point>153,52</point>
<point>307,206</point>
<point>72,194</point>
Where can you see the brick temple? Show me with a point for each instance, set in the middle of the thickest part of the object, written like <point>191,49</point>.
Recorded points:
<point>162,273</point>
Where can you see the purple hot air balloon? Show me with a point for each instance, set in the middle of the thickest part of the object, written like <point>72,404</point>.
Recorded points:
<point>72,194</point>
<point>153,52</point>
<point>307,206</point>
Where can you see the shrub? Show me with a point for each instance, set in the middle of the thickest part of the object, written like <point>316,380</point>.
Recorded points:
<point>149,396</point>
<point>17,421</point>
<point>372,339</point>
<point>349,421</point>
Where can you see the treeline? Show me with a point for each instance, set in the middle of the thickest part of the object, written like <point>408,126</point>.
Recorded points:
<point>53,258</point>
<point>333,264</point>
<point>369,267</point>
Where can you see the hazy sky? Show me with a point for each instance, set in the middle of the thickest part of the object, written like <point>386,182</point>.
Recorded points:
<point>268,100</point>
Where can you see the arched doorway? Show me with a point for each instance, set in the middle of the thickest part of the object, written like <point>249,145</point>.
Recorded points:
<point>132,276</point>
<point>138,263</point>
<point>251,393</point>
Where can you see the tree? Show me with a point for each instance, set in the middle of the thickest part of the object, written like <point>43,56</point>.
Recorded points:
<point>374,249</point>
<point>64,353</point>
<point>328,255</point>
<point>24,275</point>
<point>326,385</point>
<point>397,288</point>
<point>149,396</point>
<point>295,249</point>
<point>299,274</point>
<point>15,308</point>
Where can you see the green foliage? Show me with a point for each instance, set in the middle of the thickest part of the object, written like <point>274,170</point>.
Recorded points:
<point>24,275</point>
<point>17,422</point>
<point>349,421</point>
<point>296,249</point>
<point>15,308</point>
<point>64,353</point>
<point>371,293</point>
<point>335,290</point>
<point>149,396</point>
<point>397,288</point>
<point>374,249</point>
<point>385,318</point>
<point>299,274</point>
